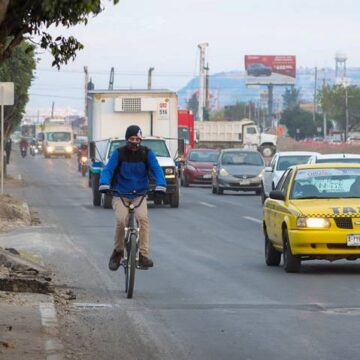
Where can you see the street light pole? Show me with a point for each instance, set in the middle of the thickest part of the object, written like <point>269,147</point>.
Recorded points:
<point>346,113</point>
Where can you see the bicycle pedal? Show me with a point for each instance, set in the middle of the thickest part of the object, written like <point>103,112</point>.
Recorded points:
<point>142,267</point>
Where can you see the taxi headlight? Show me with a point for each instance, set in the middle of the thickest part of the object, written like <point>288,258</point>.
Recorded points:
<point>319,223</point>
<point>68,149</point>
<point>223,172</point>
<point>49,149</point>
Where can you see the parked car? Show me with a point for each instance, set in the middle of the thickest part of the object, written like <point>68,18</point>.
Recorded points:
<point>238,169</point>
<point>198,166</point>
<point>313,214</point>
<point>335,158</point>
<point>258,69</point>
<point>279,163</point>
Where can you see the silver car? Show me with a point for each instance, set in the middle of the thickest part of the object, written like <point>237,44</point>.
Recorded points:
<point>237,170</point>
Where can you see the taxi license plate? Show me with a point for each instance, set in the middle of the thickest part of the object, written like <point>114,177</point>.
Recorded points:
<point>353,240</point>
<point>244,182</point>
<point>207,176</point>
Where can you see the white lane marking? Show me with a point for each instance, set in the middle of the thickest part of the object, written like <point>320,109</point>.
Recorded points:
<point>53,346</point>
<point>253,219</point>
<point>207,204</point>
<point>91,305</point>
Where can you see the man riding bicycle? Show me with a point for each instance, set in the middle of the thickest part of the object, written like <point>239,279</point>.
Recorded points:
<point>127,173</point>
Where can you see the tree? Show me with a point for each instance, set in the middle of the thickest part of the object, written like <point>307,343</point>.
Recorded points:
<point>193,104</point>
<point>18,68</point>
<point>27,19</point>
<point>291,98</point>
<point>302,120</point>
<point>236,112</point>
<point>332,100</point>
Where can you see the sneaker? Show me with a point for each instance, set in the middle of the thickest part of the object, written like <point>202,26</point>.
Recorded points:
<point>115,259</point>
<point>145,261</point>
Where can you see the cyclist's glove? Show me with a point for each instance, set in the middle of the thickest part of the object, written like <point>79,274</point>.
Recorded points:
<point>160,189</point>
<point>104,188</point>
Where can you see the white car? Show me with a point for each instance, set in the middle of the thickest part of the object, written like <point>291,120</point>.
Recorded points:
<point>335,158</point>
<point>279,163</point>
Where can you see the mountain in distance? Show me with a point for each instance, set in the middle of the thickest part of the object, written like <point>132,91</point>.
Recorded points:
<point>227,88</point>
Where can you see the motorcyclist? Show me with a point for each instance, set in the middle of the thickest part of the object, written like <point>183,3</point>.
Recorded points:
<point>82,151</point>
<point>23,144</point>
<point>127,172</point>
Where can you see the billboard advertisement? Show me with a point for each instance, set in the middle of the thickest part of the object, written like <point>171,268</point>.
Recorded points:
<point>266,70</point>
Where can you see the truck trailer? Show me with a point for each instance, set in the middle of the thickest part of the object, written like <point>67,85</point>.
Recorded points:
<point>242,133</point>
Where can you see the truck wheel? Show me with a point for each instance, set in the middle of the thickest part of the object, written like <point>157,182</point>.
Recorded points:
<point>106,201</point>
<point>267,151</point>
<point>174,199</point>
<point>95,190</point>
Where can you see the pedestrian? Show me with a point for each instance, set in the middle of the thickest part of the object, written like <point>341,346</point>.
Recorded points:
<point>8,145</point>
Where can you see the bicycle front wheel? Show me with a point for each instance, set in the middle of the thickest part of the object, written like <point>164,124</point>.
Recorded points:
<point>130,266</point>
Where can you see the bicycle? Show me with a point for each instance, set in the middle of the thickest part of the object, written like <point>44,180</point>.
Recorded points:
<point>130,262</point>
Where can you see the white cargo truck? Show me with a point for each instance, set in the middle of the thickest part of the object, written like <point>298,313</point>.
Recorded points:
<point>58,138</point>
<point>234,134</point>
<point>110,112</point>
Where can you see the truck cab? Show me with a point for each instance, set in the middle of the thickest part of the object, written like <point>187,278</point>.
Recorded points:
<point>100,153</point>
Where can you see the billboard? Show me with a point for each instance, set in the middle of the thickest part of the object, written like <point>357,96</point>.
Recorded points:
<point>266,70</point>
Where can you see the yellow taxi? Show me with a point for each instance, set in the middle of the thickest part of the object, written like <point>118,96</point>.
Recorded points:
<point>314,213</point>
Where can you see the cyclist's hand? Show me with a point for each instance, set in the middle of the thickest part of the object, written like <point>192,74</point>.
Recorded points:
<point>104,188</point>
<point>160,189</point>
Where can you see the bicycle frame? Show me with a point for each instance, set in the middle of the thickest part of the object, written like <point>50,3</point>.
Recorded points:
<point>131,260</point>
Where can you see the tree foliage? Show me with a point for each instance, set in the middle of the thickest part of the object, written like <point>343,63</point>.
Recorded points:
<point>332,100</point>
<point>18,68</point>
<point>302,120</point>
<point>193,104</point>
<point>237,111</point>
<point>29,19</point>
<point>291,98</point>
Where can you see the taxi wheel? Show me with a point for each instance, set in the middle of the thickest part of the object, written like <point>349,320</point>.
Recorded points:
<point>292,264</point>
<point>272,257</point>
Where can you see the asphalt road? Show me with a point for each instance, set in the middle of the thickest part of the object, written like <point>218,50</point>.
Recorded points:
<point>210,294</point>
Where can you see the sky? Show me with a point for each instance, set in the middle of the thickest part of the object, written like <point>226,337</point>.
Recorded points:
<point>137,34</point>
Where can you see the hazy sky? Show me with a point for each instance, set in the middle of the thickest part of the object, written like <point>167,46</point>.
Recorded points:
<point>137,34</point>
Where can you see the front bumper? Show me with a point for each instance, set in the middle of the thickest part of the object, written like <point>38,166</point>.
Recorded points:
<point>322,243</point>
<point>237,184</point>
<point>197,177</point>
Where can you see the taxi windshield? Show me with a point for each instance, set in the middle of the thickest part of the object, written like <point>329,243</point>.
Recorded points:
<point>327,183</point>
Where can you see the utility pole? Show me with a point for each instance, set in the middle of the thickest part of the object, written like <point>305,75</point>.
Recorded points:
<point>207,106</point>
<point>346,113</point>
<point>111,80</point>
<point>270,104</point>
<point>315,91</point>
<point>52,109</point>
<point>86,72</point>
<point>202,75</point>
<point>150,77</point>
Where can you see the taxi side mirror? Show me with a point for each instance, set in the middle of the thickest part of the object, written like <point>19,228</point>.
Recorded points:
<point>277,195</point>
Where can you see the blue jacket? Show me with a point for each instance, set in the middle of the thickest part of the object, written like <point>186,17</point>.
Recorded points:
<point>132,175</point>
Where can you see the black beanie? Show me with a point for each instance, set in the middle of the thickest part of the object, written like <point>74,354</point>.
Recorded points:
<point>133,130</point>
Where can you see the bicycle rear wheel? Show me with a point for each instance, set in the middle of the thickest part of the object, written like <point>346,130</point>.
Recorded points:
<point>130,266</point>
